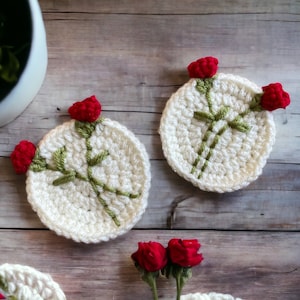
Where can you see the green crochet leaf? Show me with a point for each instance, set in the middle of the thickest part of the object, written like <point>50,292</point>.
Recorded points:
<point>38,163</point>
<point>204,85</point>
<point>4,288</point>
<point>98,158</point>
<point>59,157</point>
<point>85,129</point>
<point>239,125</point>
<point>204,116</point>
<point>70,176</point>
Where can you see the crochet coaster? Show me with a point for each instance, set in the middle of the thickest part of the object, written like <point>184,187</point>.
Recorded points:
<point>89,179</point>
<point>26,283</point>
<point>217,130</point>
<point>209,296</point>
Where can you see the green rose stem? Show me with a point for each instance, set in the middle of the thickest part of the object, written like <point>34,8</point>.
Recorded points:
<point>85,130</point>
<point>150,278</point>
<point>181,275</point>
<point>204,86</point>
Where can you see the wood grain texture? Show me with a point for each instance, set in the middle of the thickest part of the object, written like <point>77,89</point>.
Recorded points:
<point>269,203</point>
<point>133,55</point>
<point>246,265</point>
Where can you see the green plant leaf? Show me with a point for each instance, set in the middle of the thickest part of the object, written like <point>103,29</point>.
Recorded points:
<point>9,65</point>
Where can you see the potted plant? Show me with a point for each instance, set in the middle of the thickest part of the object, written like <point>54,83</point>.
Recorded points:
<point>23,56</point>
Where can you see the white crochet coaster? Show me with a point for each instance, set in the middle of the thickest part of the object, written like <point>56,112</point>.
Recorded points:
<point>211,138</point>
<point>89,181</point>
<point>26,283</point>
<point>209,296</point>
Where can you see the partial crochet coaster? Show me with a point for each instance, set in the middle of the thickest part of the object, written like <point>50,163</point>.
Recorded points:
<point>26,283</point>
<point>209,296</point>
<point>89,178</point>
<point>217,130</point>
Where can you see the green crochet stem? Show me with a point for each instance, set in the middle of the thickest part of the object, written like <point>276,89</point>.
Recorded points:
<point>4,288</point>
<point>204,86</point>
<point>85,130</point>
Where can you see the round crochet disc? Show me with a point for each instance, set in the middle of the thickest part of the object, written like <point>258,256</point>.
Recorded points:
<point>212,138</point>
<point>209,296</point>
<point>26,283</point>
<point>89,181</point>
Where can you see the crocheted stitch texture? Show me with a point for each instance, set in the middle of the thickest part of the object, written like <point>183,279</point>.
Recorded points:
<point>26,283</point>
<point>89,181</point>
<point>209,296</point>
<point>211,138</point>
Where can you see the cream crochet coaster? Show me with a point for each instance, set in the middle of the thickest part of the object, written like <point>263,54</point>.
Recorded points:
<point>209,296</point>
<point>26,283</point>
<point>89,181</point>
<point>211,138</point>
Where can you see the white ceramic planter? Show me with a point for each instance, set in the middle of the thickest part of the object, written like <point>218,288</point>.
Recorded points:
<point>33,74</point>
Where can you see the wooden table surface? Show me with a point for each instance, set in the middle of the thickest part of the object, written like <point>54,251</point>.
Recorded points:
<point>132,55</point>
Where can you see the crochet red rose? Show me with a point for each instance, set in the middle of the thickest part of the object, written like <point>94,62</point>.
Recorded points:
<point>2,296</point>
<point>204,67</point>
<point>87,110</point>
<point>22,156</point>
<point>184,252</point>
<point>150,256</point>
<point>274,97</point>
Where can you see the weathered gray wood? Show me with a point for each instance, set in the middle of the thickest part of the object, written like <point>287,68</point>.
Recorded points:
<point>168,7</point>
<point>133,63</point>
<point>250,265</point>
<point>269,203</point>
<point>133,55</point>
<point>145,125</point>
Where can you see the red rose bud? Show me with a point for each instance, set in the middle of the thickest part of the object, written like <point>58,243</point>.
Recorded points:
<point>22,156</point>
<point>184,252</point>
<point>87,110</point>
<point>205,67</point>
<point>274,97</point>
<point>151,256</point>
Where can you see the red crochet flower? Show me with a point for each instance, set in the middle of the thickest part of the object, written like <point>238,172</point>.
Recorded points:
<point>22,156</point>
<point>205,67</point>
<point>274,97</point>
<point>87,110</point>
<point>2,296</point>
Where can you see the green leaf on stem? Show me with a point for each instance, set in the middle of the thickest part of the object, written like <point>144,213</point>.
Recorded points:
<point>59,157</point>
<point>96,160</point>
<point>70,176</point>
<point>38,163</point>
<point>85,129</point>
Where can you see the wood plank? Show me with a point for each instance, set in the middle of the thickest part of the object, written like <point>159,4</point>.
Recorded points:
<point>168,7</point>
<point>249,265</point>
<point>133,56</point>
<point>132,72</point>
<point>144,125</point>
<point>269,203</point>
